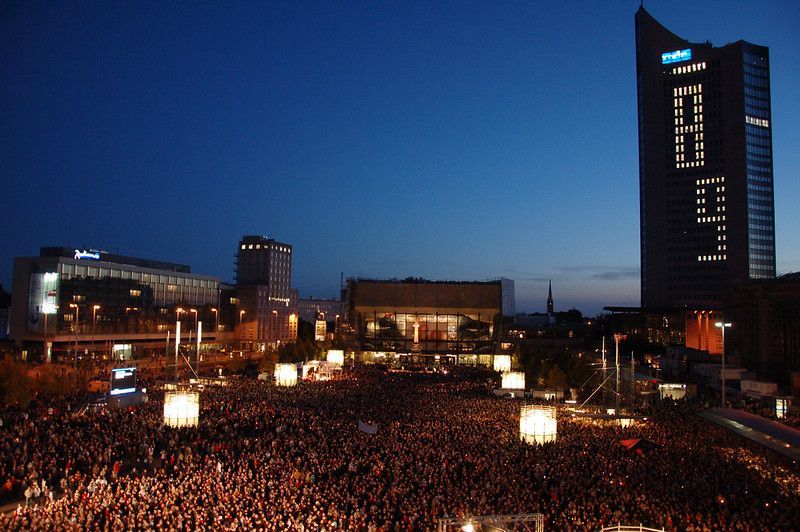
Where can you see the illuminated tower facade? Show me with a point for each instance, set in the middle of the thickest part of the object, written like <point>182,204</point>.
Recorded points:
<point>705,167</point>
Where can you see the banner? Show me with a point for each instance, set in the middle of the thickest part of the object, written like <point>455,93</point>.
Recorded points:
<point>369,428</point>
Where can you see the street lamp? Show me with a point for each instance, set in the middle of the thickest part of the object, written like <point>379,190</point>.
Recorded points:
<point>241,329</point>
<point>95,308</point>
<point>193,311</point>
<point>77,310</point>
<point>272,325</point>
<point>617,338</point>
<point>216,318</point>
<point>723,326</point>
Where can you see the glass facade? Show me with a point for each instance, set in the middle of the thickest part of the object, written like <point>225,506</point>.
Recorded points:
<point>128,300</point>
<point>454,333</point>
<point>758,149</point>
<point>705,168</point>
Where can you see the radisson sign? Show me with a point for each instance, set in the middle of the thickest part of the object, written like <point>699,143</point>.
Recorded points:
<point>87,255</point>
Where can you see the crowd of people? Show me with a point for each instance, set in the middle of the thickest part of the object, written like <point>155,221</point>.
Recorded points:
<point>275,458</point>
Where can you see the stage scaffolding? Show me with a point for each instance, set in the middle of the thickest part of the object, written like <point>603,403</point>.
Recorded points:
<point>493,523</point>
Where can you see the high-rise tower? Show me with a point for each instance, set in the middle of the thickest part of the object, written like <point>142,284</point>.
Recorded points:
<point>550,298</point>
<point>705,167</point>
<point>267,314</point>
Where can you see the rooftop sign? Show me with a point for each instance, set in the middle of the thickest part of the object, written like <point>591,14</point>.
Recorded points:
<point>88,255</point>
<point>676,57</point>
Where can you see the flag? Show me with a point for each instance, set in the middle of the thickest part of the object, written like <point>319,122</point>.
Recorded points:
<point>369,428</point>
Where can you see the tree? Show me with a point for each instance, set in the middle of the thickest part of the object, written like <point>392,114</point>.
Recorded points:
<point>15,383</point>
<point>556,378</point>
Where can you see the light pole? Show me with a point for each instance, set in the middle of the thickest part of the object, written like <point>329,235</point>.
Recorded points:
<point>272,324</point>
<point>215,310</point>
<point>95,308</point>
<point>77,310</point>
<point>178,312</point>
<point>723,326</point>
<point>617,338</point>
<point>193,311</point>
<point>241,329</point>
<point>47,349</point>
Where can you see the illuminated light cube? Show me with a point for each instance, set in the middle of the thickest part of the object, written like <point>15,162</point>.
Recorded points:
<point>181,408</point>
<point>285,374</point>
<point>502,363</point>
<point>336,356</point>
<point>513,380</point>
<point>537,424</point>
<point>781,406</point>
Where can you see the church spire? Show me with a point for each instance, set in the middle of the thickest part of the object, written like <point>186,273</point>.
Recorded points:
<point>550,298</point>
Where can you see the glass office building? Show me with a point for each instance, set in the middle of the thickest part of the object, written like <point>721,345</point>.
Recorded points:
<point>95,300</point>
<point>705,167</point>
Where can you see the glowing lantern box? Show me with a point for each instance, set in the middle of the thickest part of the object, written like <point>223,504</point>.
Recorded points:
<point>502,363</point>
<point>781,405</point>
<point>336,356</point>
<point>181,408</point>
<point>537,424</point>
<point>513,380</point>
<point>285,374</point>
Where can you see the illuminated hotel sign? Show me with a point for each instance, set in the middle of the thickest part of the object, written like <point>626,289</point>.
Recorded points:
<point>676,57</point>
<point>87,255</point>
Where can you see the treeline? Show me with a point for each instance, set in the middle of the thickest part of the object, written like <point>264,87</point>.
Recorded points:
<point>556,368</point>
<point>21,383</point>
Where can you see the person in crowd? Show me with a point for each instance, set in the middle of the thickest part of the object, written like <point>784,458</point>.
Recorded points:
<point>277,458</point>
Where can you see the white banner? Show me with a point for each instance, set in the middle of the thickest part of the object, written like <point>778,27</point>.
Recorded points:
<point>369,428</point>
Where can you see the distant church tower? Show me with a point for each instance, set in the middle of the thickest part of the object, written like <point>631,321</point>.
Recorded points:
<point>550,298</point>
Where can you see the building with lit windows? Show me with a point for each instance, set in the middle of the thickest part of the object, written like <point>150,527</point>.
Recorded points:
<point>312,308</point>
<point>423,319</point>
<point>268,309</point>
<point>765,332</point>
<point>69,302</point>
<point>705,172</point>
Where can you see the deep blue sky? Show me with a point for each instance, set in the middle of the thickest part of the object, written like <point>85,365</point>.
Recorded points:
<point>445,140</point>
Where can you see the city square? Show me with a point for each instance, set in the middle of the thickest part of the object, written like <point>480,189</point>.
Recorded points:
<point>440,266</point>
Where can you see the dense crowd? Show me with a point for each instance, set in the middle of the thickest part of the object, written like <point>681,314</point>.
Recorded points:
<point>275,458</point>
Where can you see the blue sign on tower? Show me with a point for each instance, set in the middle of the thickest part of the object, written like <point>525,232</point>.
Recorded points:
<point>676,57</point>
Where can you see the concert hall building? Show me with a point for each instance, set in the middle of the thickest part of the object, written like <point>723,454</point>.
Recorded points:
<point>421,319</point>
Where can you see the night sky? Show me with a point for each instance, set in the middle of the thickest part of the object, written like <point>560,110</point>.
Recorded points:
<point>442,140</point>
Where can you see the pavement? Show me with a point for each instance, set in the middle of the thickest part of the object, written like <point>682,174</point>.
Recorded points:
<point>771,434</point>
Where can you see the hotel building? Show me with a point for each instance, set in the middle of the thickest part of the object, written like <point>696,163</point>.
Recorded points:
<point>69,302</point>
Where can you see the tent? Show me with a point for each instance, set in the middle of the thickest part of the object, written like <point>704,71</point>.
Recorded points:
<point>639,444</point>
